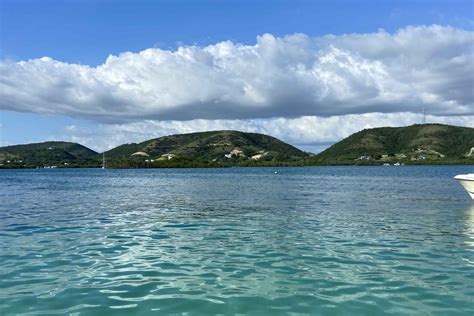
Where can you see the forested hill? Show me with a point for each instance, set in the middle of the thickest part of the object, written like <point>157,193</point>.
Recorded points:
<point>51,153</point>
<point>215,147</point>
<point>416,144</point>
<point>427,143</point>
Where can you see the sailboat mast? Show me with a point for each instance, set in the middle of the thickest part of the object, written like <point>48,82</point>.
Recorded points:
<point>103,160</point>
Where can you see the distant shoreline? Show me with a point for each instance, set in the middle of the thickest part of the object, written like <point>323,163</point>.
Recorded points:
<point>426,144</point>
<point>242,166</point>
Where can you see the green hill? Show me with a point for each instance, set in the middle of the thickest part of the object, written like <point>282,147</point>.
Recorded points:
<point>428,143</point>
<point>417,144</point>
<point>214,148</point>
<point>47,154</point>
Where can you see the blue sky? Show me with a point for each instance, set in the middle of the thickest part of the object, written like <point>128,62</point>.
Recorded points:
<point>87,32</point>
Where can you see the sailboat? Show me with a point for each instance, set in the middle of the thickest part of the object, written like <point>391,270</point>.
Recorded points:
<point>467,181</point>
<point>103,160</point>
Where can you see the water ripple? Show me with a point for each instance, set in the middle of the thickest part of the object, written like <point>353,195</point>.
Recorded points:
<point>236,241</point>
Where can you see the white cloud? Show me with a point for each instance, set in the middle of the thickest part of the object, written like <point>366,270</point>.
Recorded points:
<point>309,132</point>
<point>286,77</point>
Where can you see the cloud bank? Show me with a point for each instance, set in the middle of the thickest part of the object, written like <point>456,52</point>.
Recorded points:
<point>277,77</point>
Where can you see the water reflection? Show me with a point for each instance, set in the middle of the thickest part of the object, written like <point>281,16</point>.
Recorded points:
<point>469,230</point>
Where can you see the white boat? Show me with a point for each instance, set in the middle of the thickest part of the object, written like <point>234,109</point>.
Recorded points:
<point>467,181</point>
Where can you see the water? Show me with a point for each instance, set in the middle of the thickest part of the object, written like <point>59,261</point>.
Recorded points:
<point>320,240</point>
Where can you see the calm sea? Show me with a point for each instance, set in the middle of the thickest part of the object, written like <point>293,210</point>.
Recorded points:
<point>316,240</point>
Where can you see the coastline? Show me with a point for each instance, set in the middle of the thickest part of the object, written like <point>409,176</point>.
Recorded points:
<point>246,165</point>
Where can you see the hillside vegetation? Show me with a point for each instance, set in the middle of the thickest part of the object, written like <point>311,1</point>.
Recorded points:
<point>428,143</point>
<point>206,148</point>
<point>52,153</point>
<point>416,144</point>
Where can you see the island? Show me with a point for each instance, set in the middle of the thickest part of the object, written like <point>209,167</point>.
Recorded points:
<point>415,144</point>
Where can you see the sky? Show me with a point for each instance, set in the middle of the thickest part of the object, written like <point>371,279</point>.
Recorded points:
<point>103,73</point>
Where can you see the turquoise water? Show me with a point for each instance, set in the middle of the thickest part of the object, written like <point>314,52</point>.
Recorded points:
<point>319,240</point>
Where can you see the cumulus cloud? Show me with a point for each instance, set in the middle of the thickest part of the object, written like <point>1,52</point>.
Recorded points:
<point>286,77</point>
<point>309,133</point>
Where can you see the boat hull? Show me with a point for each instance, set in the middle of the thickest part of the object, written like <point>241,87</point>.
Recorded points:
<point>467,183</point>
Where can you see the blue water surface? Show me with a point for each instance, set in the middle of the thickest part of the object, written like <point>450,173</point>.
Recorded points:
<point>313,240</point>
